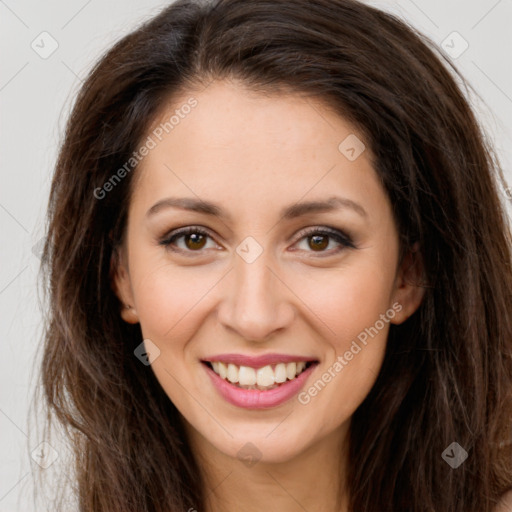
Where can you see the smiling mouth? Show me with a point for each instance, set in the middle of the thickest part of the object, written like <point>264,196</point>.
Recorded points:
<point>263,379</point>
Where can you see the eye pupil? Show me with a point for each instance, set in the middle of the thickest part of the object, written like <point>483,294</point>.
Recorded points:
<point>195,238</point>
<point>318,243</point>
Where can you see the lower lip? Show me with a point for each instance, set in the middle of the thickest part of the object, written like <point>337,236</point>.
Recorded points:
<point>255,398</point>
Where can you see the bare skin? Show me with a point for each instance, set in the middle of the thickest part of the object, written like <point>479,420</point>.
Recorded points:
<point>254,155</point>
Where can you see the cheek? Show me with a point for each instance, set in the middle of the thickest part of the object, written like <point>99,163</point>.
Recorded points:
<point>346,301</point>
<point>353,355</point>
<point>169,298</point>
<point>353,311</point>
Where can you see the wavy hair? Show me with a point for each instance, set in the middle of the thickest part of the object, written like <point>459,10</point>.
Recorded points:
<point>447,372</point>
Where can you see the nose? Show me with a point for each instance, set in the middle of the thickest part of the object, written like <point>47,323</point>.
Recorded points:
<point>257,303</point>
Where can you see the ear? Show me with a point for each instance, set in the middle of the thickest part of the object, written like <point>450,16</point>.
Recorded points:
<point>409,290</point>
<point>121,285</point>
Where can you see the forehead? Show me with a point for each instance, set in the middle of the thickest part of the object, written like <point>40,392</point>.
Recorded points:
<point>229,115</point>
<point>228,141</point>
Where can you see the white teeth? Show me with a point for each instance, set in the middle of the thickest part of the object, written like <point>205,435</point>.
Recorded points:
<point>246,376</point>
<point>232,373</point>
<point>223,371</point>
<point>265,377</point>
<point>291,370</point>
<point>280,372</point>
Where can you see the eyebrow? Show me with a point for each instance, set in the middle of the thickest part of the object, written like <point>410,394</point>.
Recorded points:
<point>287,213</point>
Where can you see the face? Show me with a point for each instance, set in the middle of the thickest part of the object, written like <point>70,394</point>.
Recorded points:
<point>261,248</point>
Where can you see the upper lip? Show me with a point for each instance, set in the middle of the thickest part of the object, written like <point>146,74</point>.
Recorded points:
<point>258,361</point>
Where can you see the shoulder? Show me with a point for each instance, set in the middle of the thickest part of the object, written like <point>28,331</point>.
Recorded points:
<point>505,503</point>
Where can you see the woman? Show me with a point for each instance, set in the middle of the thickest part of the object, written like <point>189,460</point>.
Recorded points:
<point>279,270</point>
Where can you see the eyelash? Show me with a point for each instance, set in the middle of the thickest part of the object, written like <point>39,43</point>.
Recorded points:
<point>342,238</point>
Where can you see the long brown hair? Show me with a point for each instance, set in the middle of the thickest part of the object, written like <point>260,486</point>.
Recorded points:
<point>447,372</point>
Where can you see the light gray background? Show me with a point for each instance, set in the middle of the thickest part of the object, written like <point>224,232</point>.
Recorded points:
<point>35,97</point>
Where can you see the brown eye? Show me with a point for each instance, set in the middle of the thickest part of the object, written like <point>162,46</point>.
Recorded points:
<point>195,241</point>
<point>190,239</point>
<point>318,242</point>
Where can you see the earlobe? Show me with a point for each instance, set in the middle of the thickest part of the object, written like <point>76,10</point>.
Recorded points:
<point>129,314</point>
<point>121,285</point>
<point>409,290</point>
